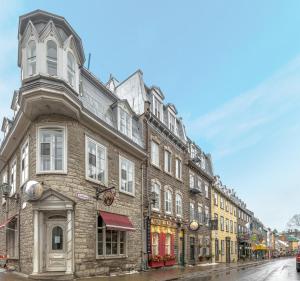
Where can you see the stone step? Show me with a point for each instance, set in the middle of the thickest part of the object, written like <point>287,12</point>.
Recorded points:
<point>51,276</point>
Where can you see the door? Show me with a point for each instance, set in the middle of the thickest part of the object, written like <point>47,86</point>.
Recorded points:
<point>56,245</point>
<point>228,259</point>
<point>216,250</point>
<point>192,250</point>
<point>181,248</point>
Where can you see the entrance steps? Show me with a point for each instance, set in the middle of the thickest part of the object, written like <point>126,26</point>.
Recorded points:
<point>52,276</point>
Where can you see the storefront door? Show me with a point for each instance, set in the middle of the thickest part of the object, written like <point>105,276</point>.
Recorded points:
<point>192,249</point>
<point>56,245</point>
<point>228,259</point>
<point>181,248</point>
<point>217,250</point>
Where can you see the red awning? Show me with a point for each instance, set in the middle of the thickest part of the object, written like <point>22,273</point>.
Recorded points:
<point>8,221</point>
<point>117,222</point>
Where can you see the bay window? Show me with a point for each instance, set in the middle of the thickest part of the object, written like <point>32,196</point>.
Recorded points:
<point>125,122</point>
<point>31,58</point>
<point>178,200</point>
<point>126,176</point>
<point>24,163</point>
<point>51,58</point>
<point>52,150</point>
<point>110,242</point>
<point>71,68</point>
<point>95,161</point>
<point>155,153</point>
<point>156,189</point>
<point>168,201</point>
<point>168,161</point>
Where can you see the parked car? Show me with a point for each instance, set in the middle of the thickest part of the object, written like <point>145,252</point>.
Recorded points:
<point>298,261</point>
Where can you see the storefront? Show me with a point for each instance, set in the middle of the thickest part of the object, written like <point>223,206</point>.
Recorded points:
<point>259,251</point>
<point>244,247</point>
<point>163,239</point>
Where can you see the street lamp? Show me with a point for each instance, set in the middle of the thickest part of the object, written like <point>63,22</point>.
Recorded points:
<point>6,189</point>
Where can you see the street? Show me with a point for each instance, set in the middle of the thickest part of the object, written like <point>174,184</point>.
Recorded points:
<point>276,270</point>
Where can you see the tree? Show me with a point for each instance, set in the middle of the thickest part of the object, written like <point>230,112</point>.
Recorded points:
<point>294,222</point>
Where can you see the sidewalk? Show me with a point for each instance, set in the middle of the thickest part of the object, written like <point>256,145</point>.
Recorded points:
<point>176,273</point>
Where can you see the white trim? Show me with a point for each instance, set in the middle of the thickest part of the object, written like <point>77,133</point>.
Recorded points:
<point>121,107</point>
<point>180,194</point>
<point>65,152</point>
<point>13,163</point>
<point>158,150</point>
<point>88,138</point>
<point>26,142</point>
<point>168,189</point>
<point>155,181</point>
<point>122,158</point>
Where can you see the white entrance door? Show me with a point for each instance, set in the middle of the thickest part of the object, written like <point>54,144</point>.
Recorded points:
<point>56,245</point>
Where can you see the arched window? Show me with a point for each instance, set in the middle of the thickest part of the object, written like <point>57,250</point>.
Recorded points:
<point>178,205</point>
<point>155,242</point>
<point>57,238</point>
<point>168,201</point>
<point>156,190</point>
<point>71,69</point>
<point>51,58</point>
<point>168,244</point>
<point>31,58</point>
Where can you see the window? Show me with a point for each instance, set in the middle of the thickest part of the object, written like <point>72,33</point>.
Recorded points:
<point>168,160</point>
<point>52,150</point>
<point>216,199</point>
<point>155,243</point>
<point>230,207</point>
<point>178,168</point>
<point>125,122</point>
<point>31,58</point>
<point>168,201</point>
<point>4,180</point>
<point>202,162</point>
<point>12,239</point>
<point>192,211</point>
<point>206,215</point>
<point>235,227</point>
<point>200,214</point>
<point>157,108</point>
<point>198,183</point>
<point>178,205</point>
<point>168,244</point>
<point>222,247</point>
<point>71,68</point>
<point>95,154</point>
<point>231,247</point>
<point>239,214</point>
<point>13,177</point>
<point>206,190</point>
<point>234,211</point>
<point>172,122</point>
<point>156,189</point>
<point>57,238</point>
<point>24,163</point>
<point>227,225</point>
<point>126,176</point>
<point>192,180</point>
<point>51,58</point>
<point>221,202</point>
<point>226,206</point>
<point>110,242</point>
<point>231,226</point>
<point>222,223</point>
<point>155,153</point>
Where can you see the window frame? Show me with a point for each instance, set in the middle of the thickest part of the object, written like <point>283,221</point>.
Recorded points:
<point>172,116</point>
<point>127,125</point>
<point>178,168</point>
<point>168,190</point>
<point>166,151</point>
<point>154,143</point>
<point>51,60</point>
<point>26,176</point>
<point>88,138</point>
<point>192,213</point>
<point>178,195</point>
<point>122,158</point>
<point>69,70</point>
<point>155,184</point>
<point>31,60</point>
<point>154,107</point>
<point>65,146</point>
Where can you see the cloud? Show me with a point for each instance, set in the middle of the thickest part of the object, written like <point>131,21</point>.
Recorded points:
<point>245,120</point>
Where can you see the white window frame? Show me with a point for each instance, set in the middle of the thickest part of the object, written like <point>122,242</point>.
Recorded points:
<point>157,102</point>
<point>178,168</point>
<point>168,244</point>
<point>98,145</point>
<point>168,169</point>
<point>206,188</point>
<point>24,175</point>
<point>216,199</point>
<point>155,154</point>
<point>4,179</point>
<point>31,60</point>
<point>178,207</point>
<point>13,171</point>
<point>192,180</point>
<point>156,185</point>
<point>128,122</point>
<point>128,162</point>
<point>171,118</point>
<point>71,72</point>
<point>200,213</point>
<point>155,236</point>
<point>51,60</point>
<point>168,191</point>
<point>51,126</point>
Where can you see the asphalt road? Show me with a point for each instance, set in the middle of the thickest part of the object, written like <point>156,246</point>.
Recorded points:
<point>283,269</point>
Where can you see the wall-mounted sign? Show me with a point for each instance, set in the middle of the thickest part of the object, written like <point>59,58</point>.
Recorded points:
<point>82,196</point>
<point>194,225</point>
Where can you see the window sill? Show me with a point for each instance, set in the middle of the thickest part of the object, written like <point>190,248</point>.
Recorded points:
<point>127,193</point>
<point>111,257</point>
<point>179,179</point>
<point>155,210</point>
<point>155,166</point>
<point>168,173</point>
<point>51,172</point>
<point>95,181</point>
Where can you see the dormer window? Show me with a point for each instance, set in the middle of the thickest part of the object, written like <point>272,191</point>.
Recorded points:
<point>172,122</point>
<point>31,58</point>
<point>125,122</point>
<point>157,108</point>
<point>71,69</point>
<point>52,58</point>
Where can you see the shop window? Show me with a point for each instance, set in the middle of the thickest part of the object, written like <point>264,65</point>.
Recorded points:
<point>57,238</point>
<point>155,244</point>
<point>126,176</point>
<point>168,244</point>
<point>52,150</point>
<point>95,161</point>
<point>110,242</point>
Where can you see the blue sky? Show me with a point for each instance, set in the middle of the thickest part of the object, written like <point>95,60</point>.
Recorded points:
<point>232,68</point>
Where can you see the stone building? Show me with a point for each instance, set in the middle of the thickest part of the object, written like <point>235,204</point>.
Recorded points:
<point>75,137</point>
<point>200,181</point>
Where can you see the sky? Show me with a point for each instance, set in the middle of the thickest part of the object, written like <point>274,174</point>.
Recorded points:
<point>232,68</point>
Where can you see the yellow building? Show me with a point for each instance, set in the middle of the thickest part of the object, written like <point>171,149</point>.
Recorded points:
<point>224,239</point>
